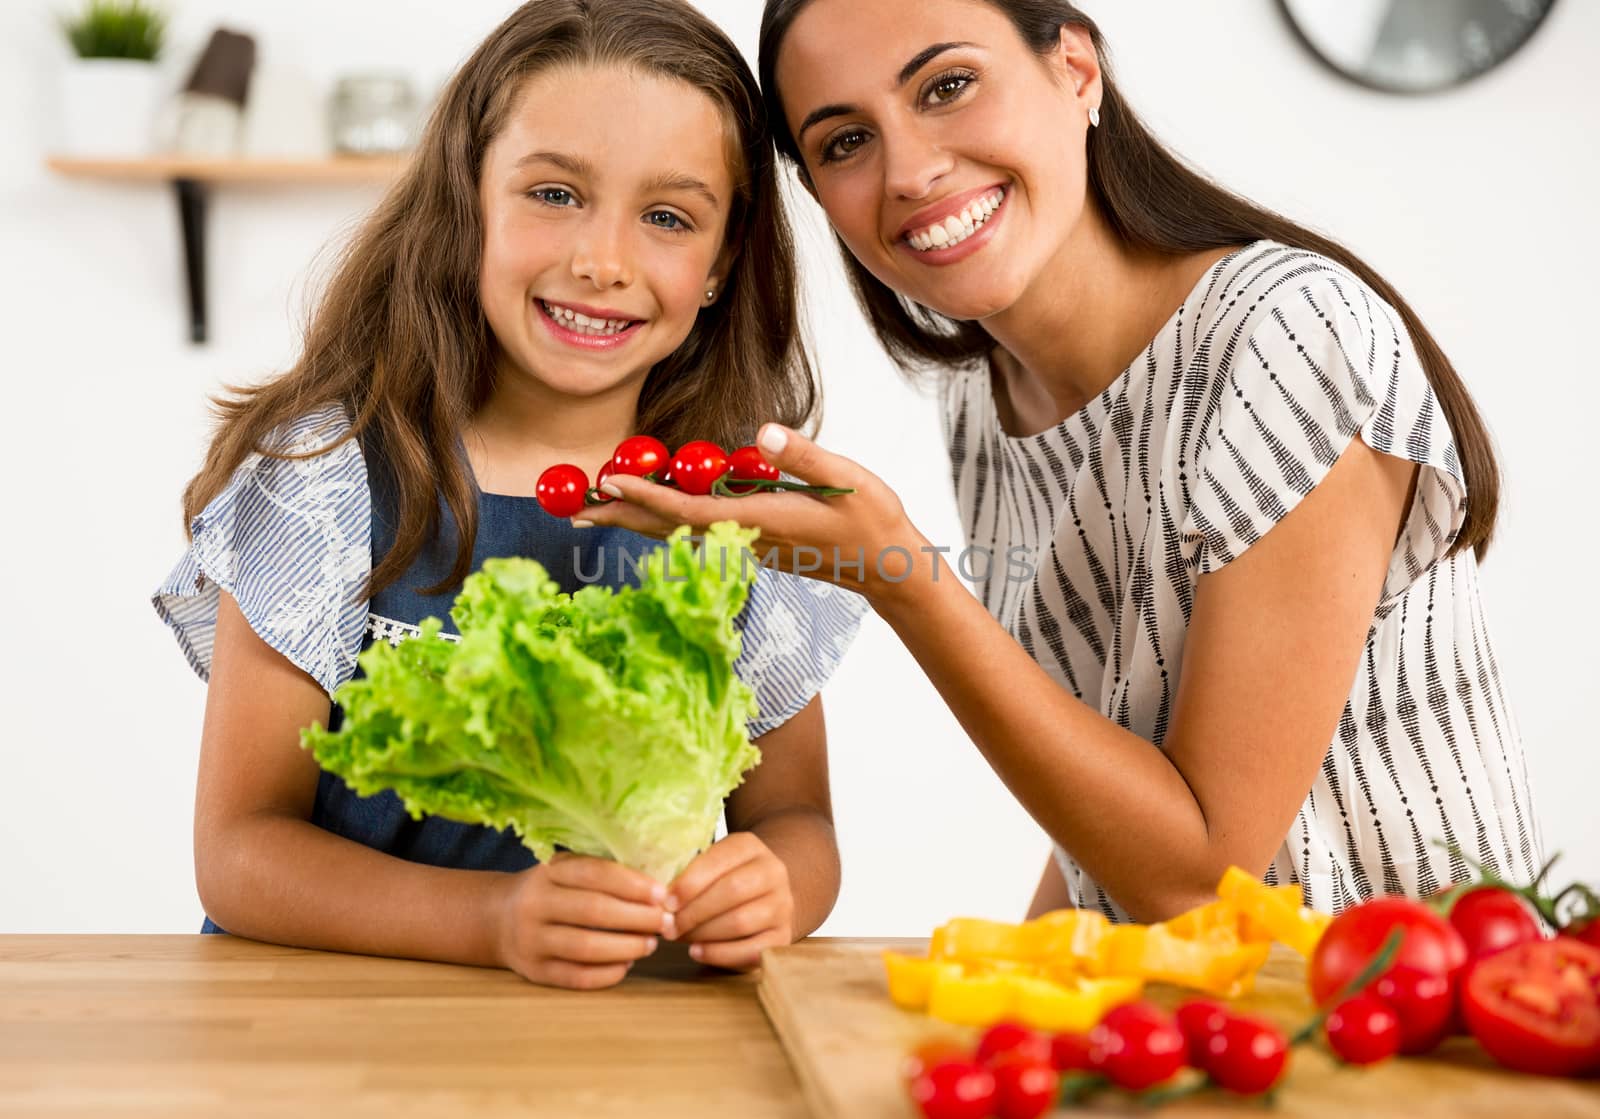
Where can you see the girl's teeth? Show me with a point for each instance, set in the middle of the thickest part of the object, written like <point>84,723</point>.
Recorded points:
<point>580,323</point>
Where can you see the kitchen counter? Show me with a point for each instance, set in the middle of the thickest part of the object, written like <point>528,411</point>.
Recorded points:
<point>223,1027</point>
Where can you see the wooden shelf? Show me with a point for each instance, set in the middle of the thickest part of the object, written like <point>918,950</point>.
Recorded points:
<point>191,177</point>
<point>333,169</point>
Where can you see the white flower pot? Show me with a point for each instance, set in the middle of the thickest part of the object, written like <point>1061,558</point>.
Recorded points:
<point>109,107</point>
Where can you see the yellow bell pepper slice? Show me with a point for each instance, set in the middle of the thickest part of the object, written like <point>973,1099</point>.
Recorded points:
<point>972,938</point>
<point>1273,910</point>
<point>911,978</point>
<point>972,1000</point>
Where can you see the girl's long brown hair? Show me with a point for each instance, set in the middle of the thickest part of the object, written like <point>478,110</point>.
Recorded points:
<point>400,339</point>
<point>1153,201</point>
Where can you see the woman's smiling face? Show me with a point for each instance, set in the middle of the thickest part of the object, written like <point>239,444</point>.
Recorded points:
<point>949,156</point>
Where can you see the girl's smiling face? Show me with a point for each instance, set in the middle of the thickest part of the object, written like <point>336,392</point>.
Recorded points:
<point>950,158</point>
<point>605,197</point>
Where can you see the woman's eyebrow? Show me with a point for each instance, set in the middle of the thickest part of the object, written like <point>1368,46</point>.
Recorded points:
<point>907,72</point>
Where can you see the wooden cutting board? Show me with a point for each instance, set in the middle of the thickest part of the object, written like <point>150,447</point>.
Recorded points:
<point>831,1011</point>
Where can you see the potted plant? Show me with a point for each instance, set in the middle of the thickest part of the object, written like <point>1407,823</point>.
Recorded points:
<point>111,89</point>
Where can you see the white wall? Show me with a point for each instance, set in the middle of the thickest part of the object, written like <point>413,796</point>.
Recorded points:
<point>1477,203</point>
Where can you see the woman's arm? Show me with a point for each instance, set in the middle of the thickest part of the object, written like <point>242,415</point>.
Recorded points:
<point>1051,893</point>
<point>1273,645</point>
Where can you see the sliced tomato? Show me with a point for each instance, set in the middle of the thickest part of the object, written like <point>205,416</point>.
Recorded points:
<point>1536,1007</point>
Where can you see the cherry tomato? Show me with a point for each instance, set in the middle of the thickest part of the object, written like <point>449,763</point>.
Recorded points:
<point>1357,934</point>
<point>1137,1045</point>
<point>599,480</point>
<point>955,1089</point>
<point>1004,1039</point>
<point>1246,1056</point>
<point>697,466</point>
<point>1422,1001</point>
<point>1363,1030</point>
<point>1491,920</point>
<point>930,1053</point>
<point>639,455</point>
<point>1025,1088</point>
<point>1071,1053</point>
<point>750,463</point>
<point>1536,1007</point>
<point>1199,1019</point>
<point>561,490</point>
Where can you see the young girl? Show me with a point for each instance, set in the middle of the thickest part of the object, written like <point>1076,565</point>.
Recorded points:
<point>1253,490</point>
<point>589,243</point>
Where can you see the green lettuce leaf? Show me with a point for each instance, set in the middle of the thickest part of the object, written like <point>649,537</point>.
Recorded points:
<point>607,722</point>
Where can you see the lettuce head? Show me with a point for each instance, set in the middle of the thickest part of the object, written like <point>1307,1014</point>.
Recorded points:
<point>606,722</point>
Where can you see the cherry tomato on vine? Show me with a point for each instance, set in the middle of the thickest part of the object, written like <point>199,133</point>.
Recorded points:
<point>1429,944</point>
<point>1585,932</point>
<point>561,490</point>
<point>1071,1052</point>
<point>1246,1056</point>
<point>1422,1001</point>
<point>1199,1019</point>
<point>639,455</point>
<point>1025,1087</point>
<point>929,1053</point>
<point>955,1089</point>
<point>1363,1030</point>
<point>1006,1038</point>
<point>1491,920</point>
<point>697,466</point>
<point>748,463</point>
<point>1137,1045</point>
<point>600,480</point>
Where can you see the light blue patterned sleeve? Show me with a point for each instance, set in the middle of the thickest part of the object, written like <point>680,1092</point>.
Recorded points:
<point>796,631</point>
<point>291,542</point>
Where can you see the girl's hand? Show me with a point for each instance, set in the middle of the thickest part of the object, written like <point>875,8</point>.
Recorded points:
<point>732,901</point>
<point>862,541</point>
<point>579,922</point>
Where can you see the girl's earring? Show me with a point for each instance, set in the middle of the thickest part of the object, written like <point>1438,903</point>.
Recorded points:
<point>711,295</point>
<point>1094,117</point>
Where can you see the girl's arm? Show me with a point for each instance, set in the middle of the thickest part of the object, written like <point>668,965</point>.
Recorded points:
<point>1274,641</point>
<point>775,877</point>
<point>265,871</point>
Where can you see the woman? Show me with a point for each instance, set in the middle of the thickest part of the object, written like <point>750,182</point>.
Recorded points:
<point>1253,488</point>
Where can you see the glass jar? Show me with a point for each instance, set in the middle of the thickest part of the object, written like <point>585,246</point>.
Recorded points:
<point>372,114</point>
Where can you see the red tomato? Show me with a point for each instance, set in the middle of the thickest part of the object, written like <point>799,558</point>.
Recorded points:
<point>750,463</point>
<point>1025,1088</point>
<point>1588,932</point>
<point>1137,1045</point>
<point>1363,1030</point>
<point>1246,1056</point>
<point>1004,1039</point>
<point>639,455</point>
<point>697,466</point>
<point>561,490</point>
<point>1199,1019</point>
<point>1422,1001</point>
<point>1491,920</point>
<point>1071,1053</point>
<point>955,1089</point>
<point>1536,1007</point>
<point>599,480</point>
<point>1358,933</point>
<point>930,1053</point>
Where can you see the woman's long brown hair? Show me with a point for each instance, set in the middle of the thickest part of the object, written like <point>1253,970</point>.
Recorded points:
<point>400,338</point>
<point>1152,201</point>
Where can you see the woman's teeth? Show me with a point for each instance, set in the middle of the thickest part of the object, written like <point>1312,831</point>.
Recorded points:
<point>583,324</point>
<point>958,227</point>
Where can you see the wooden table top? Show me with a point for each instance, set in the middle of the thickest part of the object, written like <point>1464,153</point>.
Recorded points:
<point>224,1027</point>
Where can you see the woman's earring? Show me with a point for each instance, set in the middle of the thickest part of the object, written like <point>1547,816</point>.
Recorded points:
<point>1094,116</point>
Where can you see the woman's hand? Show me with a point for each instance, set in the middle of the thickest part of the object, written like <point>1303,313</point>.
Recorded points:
<point>732,901</point>
<point>862,541</point>
<point>579,922</point>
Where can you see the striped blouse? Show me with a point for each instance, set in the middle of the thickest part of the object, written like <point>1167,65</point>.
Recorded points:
<point>1233,413</point>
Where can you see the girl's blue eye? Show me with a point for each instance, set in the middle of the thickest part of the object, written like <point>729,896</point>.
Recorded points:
<point>554,196</point>
<point>665,219</point>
